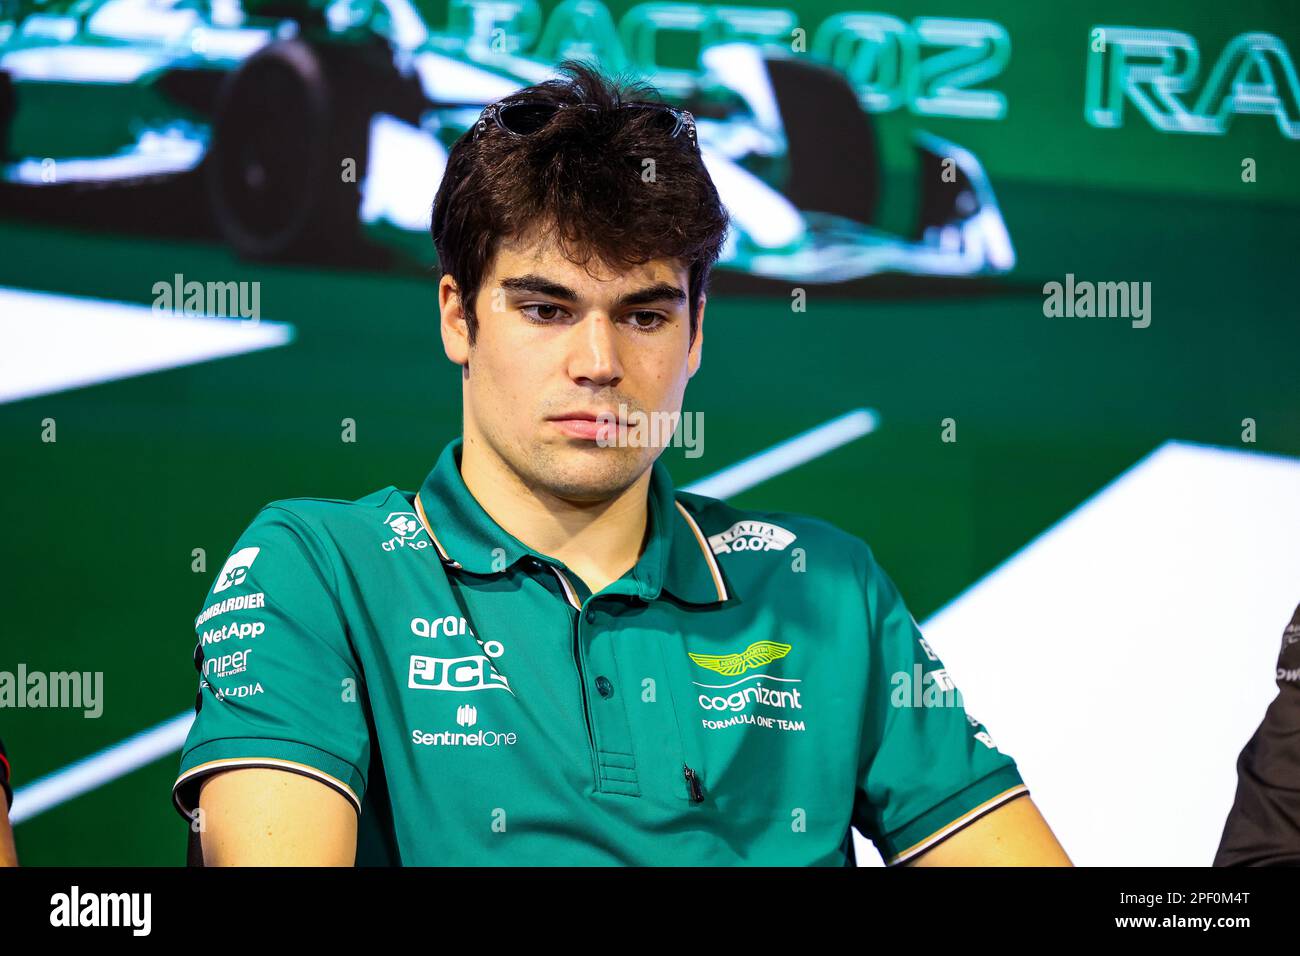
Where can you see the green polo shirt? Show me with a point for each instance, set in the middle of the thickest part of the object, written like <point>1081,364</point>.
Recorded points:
<point>749,691</point>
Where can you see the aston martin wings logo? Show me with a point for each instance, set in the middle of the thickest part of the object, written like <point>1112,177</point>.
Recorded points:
<point>756,655</point>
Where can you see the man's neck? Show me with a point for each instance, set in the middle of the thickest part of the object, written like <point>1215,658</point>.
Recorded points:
<point>599,541</point>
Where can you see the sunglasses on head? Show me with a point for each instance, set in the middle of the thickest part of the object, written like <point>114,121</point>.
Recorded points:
<point>524,117</point>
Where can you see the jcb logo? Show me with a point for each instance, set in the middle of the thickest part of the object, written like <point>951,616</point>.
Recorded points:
<point>455,674</point>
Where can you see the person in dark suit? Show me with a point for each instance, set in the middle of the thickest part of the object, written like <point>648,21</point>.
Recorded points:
<point>1263,827</point>
<point>8,855</point>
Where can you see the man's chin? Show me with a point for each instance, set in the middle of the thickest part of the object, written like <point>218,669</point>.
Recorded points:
<point>582,471</point>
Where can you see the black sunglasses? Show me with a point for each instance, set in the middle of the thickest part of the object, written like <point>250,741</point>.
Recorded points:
<point>524,117</point>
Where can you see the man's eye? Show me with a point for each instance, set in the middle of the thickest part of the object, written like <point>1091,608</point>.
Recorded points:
<point>648,321</point>
<point>541,312</point>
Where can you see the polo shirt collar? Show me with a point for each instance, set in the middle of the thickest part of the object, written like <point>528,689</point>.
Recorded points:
<point>677,557</point>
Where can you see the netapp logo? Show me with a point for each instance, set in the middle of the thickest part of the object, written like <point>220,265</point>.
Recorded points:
<point>103,909</point>
<point>250,630</point>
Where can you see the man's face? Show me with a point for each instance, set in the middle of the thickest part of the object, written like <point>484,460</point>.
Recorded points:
<point>559,351</point>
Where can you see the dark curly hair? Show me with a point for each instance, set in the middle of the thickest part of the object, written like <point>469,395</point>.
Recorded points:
<point>580,178</point>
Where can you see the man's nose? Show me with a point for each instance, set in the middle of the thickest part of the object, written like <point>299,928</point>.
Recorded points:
<point>594,357</point>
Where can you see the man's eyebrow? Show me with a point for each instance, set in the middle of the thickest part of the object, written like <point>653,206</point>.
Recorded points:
<point>540,285</point>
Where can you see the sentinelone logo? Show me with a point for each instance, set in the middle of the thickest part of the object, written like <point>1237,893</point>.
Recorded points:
<point>102,909</point>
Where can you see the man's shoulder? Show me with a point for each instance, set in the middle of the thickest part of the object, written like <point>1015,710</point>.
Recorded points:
<point>379,514</point>
<point>731,531</point>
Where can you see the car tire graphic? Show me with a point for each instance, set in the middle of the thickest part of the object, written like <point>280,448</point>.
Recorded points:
<point>286,124</point>
<point>821,140</point>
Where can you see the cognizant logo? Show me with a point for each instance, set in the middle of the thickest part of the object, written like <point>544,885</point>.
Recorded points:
<point>741,698</point>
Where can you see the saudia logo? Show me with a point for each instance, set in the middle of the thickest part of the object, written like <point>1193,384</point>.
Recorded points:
<point>407,532</point>
<point>731,665</point>
<point>751,536</point>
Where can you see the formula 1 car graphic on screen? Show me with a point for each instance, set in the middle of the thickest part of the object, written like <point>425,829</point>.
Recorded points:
<point>315,129</point>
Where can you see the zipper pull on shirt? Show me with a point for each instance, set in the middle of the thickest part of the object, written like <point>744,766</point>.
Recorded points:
<point>693,784</point>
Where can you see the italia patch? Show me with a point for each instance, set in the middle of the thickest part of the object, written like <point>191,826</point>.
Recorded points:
<point>751,536</point>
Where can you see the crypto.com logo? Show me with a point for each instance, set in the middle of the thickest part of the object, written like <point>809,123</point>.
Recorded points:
<point>406,530</point>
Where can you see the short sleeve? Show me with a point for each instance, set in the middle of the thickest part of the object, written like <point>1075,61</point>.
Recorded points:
<point>927,768</point>
<point>279,684</point>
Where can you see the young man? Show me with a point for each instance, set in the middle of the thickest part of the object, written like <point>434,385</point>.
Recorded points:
<point>546,655</point>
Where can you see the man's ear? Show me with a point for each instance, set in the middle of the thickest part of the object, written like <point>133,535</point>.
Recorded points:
<point>453,325</point>
<point>695,355</point>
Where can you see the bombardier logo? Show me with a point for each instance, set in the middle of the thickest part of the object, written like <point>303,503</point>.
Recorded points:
<point>731,665</point>
<point>235,570</point>
<point>407,532</point>
<point>751,536</point>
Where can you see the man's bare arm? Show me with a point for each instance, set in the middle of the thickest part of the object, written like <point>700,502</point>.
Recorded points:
<point>8,855</point>
<point>257,816</point>
<point>1015,834</point>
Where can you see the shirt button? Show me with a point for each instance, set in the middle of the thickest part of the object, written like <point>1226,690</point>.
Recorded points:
<point>605,688</point>
<point>590,616</point>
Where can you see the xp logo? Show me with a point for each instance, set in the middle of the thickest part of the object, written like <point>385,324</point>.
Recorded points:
<point>467,715</point>
<point>1157,71</point>
<point>456,673</point>
<point>406,530</point>
<point>751,536</point>
<point>235,570</point>
<point>731,665</point>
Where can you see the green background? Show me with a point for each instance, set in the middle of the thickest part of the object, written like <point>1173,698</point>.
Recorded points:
<point>95,569</point>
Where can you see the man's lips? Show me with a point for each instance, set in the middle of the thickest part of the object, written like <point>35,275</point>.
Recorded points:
<point>590,426</point>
